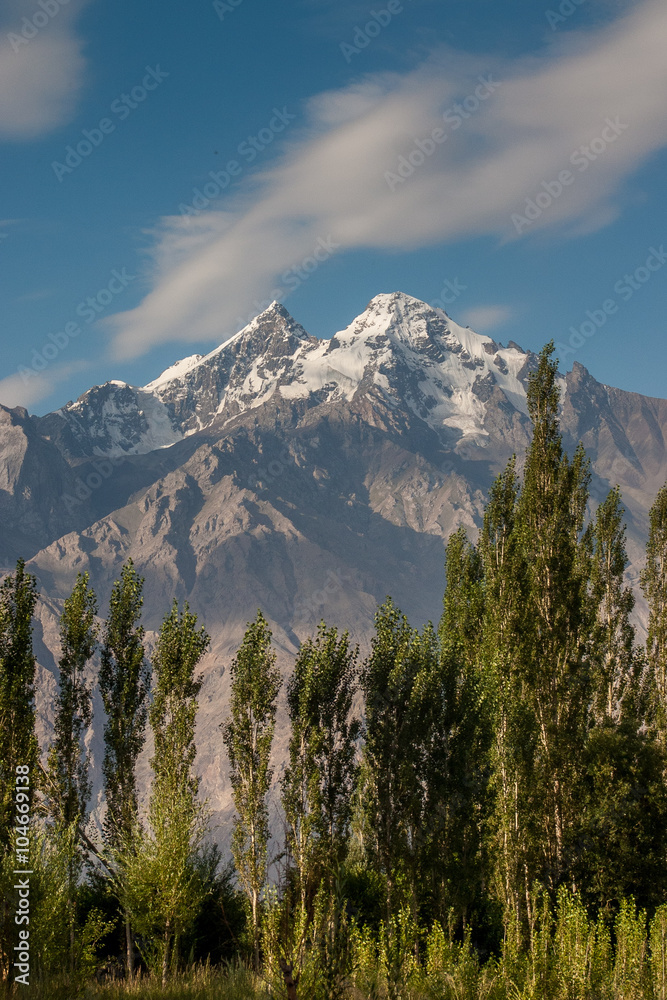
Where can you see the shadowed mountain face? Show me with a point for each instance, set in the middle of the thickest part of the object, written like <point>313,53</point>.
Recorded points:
<point>306,477</point>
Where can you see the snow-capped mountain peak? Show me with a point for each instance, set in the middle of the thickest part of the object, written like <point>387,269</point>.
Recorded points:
<point>175,371</point>
<point>404,352</point>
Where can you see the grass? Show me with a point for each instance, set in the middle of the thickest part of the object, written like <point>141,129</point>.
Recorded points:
<point>200,984</point>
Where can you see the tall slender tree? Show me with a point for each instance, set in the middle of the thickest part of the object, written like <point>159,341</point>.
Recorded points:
<point>557,624</point>
<point>615,656</point>
<point>654,585</point>
<point>397,684</point>
<point>513,731</point>
<point>457,750</point>
<point>621,805</point>
<point>124,682</point>
<point>248,736</point>
<point>537,643</point>
<point>178,820</point>
<point>18,743</point>
<point>318,782</point>
<point>68,779</point>
<point>69,783</point>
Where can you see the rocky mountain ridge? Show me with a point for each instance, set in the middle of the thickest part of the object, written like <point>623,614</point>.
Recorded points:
<point>411,352</point>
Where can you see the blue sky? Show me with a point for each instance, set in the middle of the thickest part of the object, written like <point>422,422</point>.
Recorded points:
<point>167,169</point>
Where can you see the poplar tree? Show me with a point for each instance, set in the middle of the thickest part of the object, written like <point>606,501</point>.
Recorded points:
<point>68,779</point>
<point>619,838</point>
<point>18,743</point>
<point>124,682</point>
<point>654,586</point>
<point>537,644</point>
<point>513,726</point>
<point>554,644</point>
<point>162,885</point>
<point>318,782</point>
<point>248,737</point>
<point>397,685</point>
<point>67,767</point>
<point>456,756</point>
<point>616,660</point>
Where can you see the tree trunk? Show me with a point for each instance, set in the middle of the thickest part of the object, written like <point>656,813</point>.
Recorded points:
<point>129,944</point>
<point>290,984</point>
<point>165,956</point>
<point>72,940</point>
<point>255,929</point>
<point>390,897</point>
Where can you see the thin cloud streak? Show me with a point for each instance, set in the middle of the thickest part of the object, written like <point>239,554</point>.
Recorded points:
<point>334,180</point>
<point>20,389</point>
<point>41,76</point>
<point>484,318</point>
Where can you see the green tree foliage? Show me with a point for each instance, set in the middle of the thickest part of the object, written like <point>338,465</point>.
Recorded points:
<point>318,782</point>
<point>397,680</point>
<point>622,804</point>
<point>556,623</point>
<point>248,737</point>
<point>170,889</point>
<point>617,662</point>
<point>124,682</point>
<point>621,838</point>
<point>18,743</point>
<point>165,876</point>
<point>69,782</point>
<point>654,585</point>
<point>512,723</point>
<point>457,738</point>
<point>53,962</point>
<point>537,637</point>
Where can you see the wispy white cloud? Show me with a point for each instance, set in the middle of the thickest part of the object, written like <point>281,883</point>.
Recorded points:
<point>335,180</point>
<point>41,67</point>
<point>21,389</point>
<point>36,296</point>
<point>485,318</point>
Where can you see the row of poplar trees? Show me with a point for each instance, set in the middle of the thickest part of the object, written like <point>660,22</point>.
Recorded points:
<point>157,870</point>
<point>522,743</point>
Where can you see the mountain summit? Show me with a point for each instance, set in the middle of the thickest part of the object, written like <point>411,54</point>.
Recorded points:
<point>400,348</point>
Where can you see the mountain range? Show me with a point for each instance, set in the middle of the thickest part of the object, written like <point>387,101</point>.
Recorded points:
<point>307,477</point>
